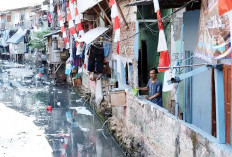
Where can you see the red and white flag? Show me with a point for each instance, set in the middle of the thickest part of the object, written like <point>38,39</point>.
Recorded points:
<point>225,7</point>
<point>72,8</point>
<point>75,16</point>
<point>65,37</point>
<point>79,27</point>
<point>116,27</point>
<point>162,43</point>
<point>71,25</point>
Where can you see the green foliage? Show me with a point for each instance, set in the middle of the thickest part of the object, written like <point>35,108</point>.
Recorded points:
<point>37,40</point>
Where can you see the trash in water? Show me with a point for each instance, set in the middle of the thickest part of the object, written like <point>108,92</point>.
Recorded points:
<point>40,74</point>
<point>58,103</point>
<point>85,129</point>
<point>82,110</point>
<point>49,108</point>
<point>79,100</point>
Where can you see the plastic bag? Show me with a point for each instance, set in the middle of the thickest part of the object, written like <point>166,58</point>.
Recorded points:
<point>167,77</point>
<point>98,93</point>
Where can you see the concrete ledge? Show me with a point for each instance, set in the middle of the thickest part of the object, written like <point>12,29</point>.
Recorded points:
<point>159,133</point>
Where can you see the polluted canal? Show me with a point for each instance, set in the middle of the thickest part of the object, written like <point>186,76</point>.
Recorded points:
<point>72,129</point>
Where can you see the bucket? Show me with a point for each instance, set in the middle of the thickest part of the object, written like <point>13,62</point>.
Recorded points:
<point>135,92</point>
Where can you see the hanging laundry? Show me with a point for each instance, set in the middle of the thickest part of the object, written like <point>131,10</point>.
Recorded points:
<point>64,5</point>
<point>69,67</point>
<point>96,58</point>
<point>99,92</point>
<point>61,43</point>
<point>77,61</point>
<point>107,48</point>
<point>79,49</point>
<point>49,17</point>
<point>74,49</point>
<point>83,51</point>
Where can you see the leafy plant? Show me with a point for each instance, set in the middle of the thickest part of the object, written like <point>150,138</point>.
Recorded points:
<point>38,40</point>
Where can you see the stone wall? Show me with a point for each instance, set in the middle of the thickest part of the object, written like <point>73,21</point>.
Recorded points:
<point>127,30</point>
<point>145,129</point>
<point>88,89</point>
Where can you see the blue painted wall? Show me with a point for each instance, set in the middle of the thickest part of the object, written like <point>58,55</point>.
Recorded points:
<point>201,84</point>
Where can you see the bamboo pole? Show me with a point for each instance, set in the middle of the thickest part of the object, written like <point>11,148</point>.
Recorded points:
<point>105,14</point>
<point>98,13</point>
<point>123,17</point>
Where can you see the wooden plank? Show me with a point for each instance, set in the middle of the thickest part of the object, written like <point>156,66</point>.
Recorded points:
<point>123,17</point>
<point>220,113</point>
<point>118,98</point>
<point>227,98</point>
<point>213,113</point>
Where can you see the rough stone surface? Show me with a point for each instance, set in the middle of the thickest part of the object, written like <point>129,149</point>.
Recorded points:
<point>152,131</point>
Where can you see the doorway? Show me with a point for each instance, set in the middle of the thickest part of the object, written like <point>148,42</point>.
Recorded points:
<point>142,64</point>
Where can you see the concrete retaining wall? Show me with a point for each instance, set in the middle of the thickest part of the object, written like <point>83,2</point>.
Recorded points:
<point>145,129</point>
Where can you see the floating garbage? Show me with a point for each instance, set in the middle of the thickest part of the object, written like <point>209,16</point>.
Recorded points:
<point>73,93</point>
<point>85,129</point>
<point>40,74</point>
<point>82,110</point>
<point>58,104</point>
<point>49,109</point>
<point>79,100</point>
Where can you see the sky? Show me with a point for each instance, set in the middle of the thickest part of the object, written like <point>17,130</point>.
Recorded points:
<point>13,4</point>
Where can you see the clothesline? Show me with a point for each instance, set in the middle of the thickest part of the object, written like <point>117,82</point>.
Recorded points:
<point>185,66</point>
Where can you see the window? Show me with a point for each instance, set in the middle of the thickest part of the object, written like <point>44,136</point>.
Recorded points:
<point>8,17</point>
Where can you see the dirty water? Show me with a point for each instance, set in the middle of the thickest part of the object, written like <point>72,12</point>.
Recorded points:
<point>72,128</point>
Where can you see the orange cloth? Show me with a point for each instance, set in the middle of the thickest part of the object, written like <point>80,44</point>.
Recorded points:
<point>224,6</point>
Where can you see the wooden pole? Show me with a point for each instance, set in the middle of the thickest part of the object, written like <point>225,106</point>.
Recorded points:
<point>220,112</point>
<point>98,13</point>
<point>123,17</point>
<point>105,14</point>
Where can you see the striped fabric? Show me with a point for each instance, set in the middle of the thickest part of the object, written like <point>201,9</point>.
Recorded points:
<point>114,15</point>
<point>65,37</point>
<point>162,43</point>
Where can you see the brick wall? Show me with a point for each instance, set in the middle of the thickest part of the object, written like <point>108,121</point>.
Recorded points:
<point>127,46</point>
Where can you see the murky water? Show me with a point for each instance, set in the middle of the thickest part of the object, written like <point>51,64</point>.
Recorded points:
<point>72,128</point>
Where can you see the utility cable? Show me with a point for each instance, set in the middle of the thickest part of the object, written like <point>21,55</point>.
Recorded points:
<point>156,22</point>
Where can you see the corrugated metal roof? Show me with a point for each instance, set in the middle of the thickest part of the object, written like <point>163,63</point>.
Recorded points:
<point>52,33</point>
<point>84,5</point>
<point>17,37</point>
<point>92,34</point>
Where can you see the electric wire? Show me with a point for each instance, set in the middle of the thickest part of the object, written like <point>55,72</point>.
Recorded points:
<point>156,22</point>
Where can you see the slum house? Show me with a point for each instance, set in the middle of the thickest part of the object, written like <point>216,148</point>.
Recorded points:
<point>4,46</point>
<point>39,17</point>
<point>12,21</point>
<point>138,123</point>
<point>200,105</point>
<point>89,20</point>
<point>18,44</point>
<point>16,18</point>
<point>56,55</point>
